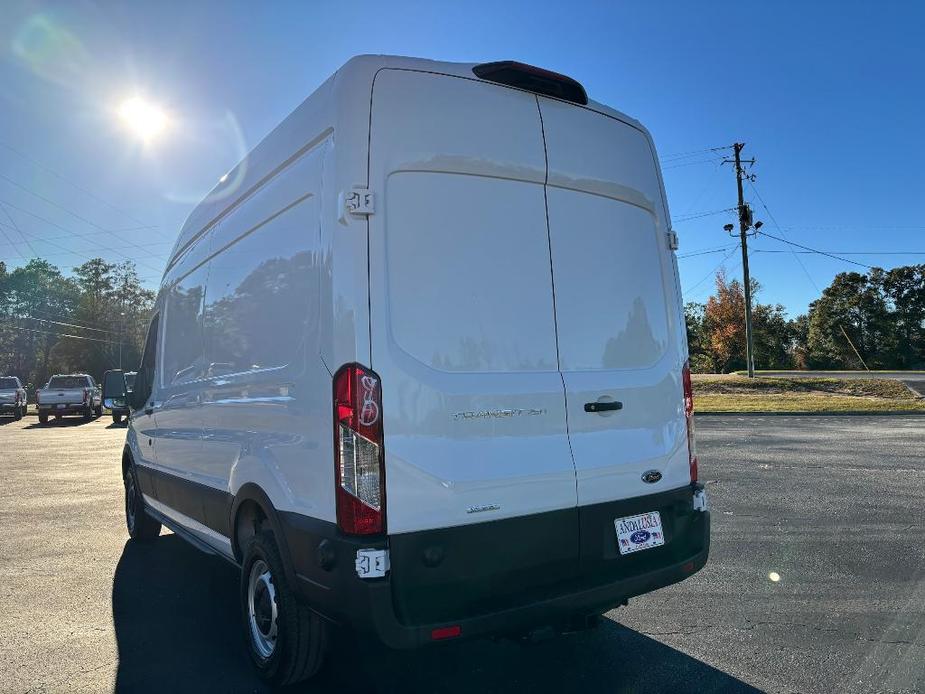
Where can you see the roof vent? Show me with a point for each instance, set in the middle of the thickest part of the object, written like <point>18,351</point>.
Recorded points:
<point>533,79</point>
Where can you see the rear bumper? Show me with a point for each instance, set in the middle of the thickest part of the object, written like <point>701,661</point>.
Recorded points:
<point>9,406</point>
<point>67,409</point>
<point>488,592</point>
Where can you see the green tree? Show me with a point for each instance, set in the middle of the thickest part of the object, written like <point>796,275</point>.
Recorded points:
<point>851,311</point>
<point>701,359</point>
<point>903,289</point>
<point>716,331</point>
<point>50,323</point>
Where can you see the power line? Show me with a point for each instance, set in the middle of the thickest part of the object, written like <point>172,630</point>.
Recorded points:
<point>70,325</point>
<point>769,250</point>
<point>781,230</point>
<point>711,272</point>
<point>682,155</point>
<point>46,332</point>
<point>69,211</point>
<point>9,241</point>
<point>698,215</point>
<point>86,236</point>
<point>19,231</point>
<point>691,163</point>
<point>704,252</point>
<point>817,251</point>
<point>75,234</point>
<point>54,173</point>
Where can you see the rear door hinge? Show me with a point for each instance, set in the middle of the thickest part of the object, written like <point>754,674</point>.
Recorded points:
<point>359,202</point>
<point>672,241</point>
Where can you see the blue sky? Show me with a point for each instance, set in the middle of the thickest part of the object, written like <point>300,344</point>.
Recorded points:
<point>827,96</point>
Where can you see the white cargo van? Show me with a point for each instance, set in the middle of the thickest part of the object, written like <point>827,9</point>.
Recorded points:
<point>418,367</point>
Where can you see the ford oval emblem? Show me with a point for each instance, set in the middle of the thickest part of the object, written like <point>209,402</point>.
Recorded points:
<point>640,536</point>
<point>651,476</point>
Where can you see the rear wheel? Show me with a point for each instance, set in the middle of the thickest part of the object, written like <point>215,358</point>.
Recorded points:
<point>25,410</point>
<point>88,413</point>
<point>43,419</point>
<point>99,410</point>
<point>57,418</point>
<point>116,418</point>
<point>287,642</point>
<point>141,526</point>
<point>17,413</point>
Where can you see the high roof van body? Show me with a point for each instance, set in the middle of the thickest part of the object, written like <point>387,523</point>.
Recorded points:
<point>418,366</point>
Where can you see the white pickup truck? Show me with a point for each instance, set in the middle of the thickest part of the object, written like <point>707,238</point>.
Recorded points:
<point>69,394</point>
<point>12,397</point>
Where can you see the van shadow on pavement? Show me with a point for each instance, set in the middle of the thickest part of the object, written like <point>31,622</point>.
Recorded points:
<point>178,628</point>
<point>74,421</point>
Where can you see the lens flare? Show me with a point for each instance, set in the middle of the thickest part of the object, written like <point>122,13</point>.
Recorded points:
<point>144,119</point>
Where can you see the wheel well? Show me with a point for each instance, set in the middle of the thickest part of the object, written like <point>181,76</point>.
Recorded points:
<point>126,461</point>
<point>247,522</point>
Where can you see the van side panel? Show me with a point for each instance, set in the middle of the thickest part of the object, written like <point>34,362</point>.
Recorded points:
<point>264,401</point>
<point>179,366</point>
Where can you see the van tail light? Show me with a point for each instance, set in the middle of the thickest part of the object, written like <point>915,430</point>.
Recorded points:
<point>689,416</point>
<point>359,468</point>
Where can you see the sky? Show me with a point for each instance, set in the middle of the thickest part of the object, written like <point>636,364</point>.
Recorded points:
<point>827,97</point>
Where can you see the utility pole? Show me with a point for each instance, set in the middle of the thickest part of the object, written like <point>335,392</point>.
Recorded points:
<point>121,324</point>
<point>745,223</point>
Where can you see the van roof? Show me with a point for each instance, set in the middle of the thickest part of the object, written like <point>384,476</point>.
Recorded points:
<point>314,116</point>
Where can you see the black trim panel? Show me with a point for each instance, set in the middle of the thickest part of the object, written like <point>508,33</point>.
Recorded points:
<point>202,503</point>
<point>494,577</point>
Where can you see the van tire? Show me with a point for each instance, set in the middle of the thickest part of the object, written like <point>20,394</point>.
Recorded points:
<point>43,419</point>
<point>99,410</point>
<point>301,635</point>
<point>17,413</point>
<point>116,418</point>
<point>141,527</point>
<point>88,414</point>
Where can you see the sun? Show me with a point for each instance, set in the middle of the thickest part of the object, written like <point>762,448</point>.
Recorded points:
<point>144,119</point>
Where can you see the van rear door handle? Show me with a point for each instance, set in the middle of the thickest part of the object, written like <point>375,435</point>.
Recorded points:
<point>603,406</point>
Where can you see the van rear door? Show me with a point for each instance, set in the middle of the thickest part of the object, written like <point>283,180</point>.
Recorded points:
<point>461,312</point>
<point>617,305</point>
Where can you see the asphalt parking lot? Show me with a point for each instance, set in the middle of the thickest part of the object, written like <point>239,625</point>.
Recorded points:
<point>832,506</point>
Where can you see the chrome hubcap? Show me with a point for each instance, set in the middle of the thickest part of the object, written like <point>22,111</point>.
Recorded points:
<point>262,610</point>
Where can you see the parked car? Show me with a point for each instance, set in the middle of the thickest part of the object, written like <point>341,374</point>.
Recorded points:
<point>12,397</point>
<point>66,394</point>
<point>454,398</point>
<point>117,386</point>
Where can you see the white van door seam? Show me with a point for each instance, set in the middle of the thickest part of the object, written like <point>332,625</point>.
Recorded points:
<point>552,279</point>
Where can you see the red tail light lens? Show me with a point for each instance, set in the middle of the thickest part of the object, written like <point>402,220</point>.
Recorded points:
<point>689,416</point>
<point>441,633</point>
<point>358,452</point>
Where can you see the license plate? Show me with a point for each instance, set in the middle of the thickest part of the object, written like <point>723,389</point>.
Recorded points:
<point>636,533</point>
<point>61,407</point>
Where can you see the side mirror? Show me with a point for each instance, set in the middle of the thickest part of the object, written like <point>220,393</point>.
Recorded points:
<point>114,389</point>
<point>139,394</point>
